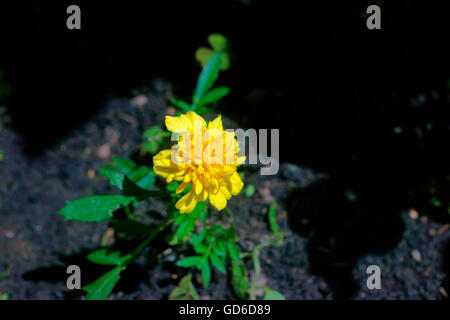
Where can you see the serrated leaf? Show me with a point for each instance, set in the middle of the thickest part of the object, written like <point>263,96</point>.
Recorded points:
<point>207,77</point>
<point>114,177</point>
<point>213,95</point>
<point>185,229</point>
<point>233,250</point>
<point>152,132</point>
<point>101,288</point>
<point>220,249</point>
<point>123,164</point>
<point>272,294</point>
<point>144,177</point>
<point>206,274</point>
<point>218,42</point>
<point>131,189</point>
<point>94,208</point>
<point>103,256</point>
<point>217,262</point>
<point>239,279</point>
<point>187,262</point>
<point>201,206</point>
<point>153,138</point>
<point>150,146</point>
<point>197,238</point>
<point>200,249</point>
<point>185,290</point>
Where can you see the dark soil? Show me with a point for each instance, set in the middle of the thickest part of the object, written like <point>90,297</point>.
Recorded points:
<point>325,254</point>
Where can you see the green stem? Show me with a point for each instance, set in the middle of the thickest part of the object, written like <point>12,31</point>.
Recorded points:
<point>229,212</point>
<point>152,234</point>
<point>256,268</point>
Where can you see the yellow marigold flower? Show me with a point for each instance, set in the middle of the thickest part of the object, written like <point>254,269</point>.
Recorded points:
<point>205,157</point>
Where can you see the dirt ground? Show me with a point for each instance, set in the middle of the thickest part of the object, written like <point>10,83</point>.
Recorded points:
<point>37,245</point>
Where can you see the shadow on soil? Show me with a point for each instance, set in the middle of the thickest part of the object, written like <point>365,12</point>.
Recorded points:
<point>131,278</point>
<point>341,227</point>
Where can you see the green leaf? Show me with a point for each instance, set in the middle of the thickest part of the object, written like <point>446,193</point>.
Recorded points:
<point>203,54</point>
<point>218,42</point>
<point>217,262</point>
<point>4,296</point>
<point>131,189</point>
<point>201,206</point>
<point>239,279</point>
<point>202,110</point>
<point>225,61</point>
<point>144,177</point>
<point>151,132</point>
<point>197,238</point>
<point>272,213</point>
<point>102,256</point>
<point>94,208</point>
<point>155,133</point>
<point>250,190</point>
<point>180,104</point>
<point>185,229</point>
<point>172,186</point>
<point>123,164</point>
<point>233,250</point>
<point>220,249</point>
<point>130,227</point>
<point>272,294</point>
<point>213,95</point>
<point>185,290</point>
<point>101,288</point>
<point>114,177</point>
<point>200,248</point>
<point>206,274</point>
<point>207,77</point>
<point>191,261</point>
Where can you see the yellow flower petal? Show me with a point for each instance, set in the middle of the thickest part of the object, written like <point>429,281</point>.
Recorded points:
<point>198,187</point>
<point>193,117</point>
<point>187,203</point>
<point>216,123</point>
<point>218,200</point>
<point>179,124</point>
<point>235,184</point>
<point>182,186</point>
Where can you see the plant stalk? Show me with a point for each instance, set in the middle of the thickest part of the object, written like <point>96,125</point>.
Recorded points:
<point>152,234</point>
<point>256,268</point>
<point>229,212</point>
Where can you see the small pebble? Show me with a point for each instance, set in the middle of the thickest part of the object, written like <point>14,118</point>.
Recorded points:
<point>416,255</point>
<point>413,214</point>
<point>139,100</point>
<point>104,151</point>
<point>171,111</point>
<point>91,174</point>
<point>8,234</point>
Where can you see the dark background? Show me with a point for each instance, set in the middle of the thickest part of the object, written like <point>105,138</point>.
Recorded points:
<point>335,89</point>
